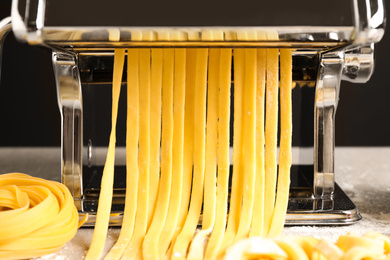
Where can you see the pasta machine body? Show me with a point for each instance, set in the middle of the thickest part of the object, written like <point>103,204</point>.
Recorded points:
<point>330,44</point>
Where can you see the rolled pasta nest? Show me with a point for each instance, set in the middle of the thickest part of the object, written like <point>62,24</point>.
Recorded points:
<point>37,216</point>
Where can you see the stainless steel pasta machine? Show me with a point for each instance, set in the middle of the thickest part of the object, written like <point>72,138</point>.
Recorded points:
<point>330,42</point>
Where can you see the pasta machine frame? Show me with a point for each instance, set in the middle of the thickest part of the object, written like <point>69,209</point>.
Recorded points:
<point>338,53</point>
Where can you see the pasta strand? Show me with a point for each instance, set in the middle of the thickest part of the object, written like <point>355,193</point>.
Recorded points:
<point>177,152</point>
<point>223,155</point>
<point>141,219</point>
<point>179,251</point>
<point>106,191</point>
<point>237,178</point>
<point>150,244</point>
<point>258,207</point>
<point>155,128</point>
<point>188,156</point>
<point>132,174</point>
<point>209,204</point>
<point>248,143</point>
<point>271,127</point>
<point>283,187</point>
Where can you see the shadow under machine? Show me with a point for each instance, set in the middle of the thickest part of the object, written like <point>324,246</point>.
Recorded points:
<point>330,43</point>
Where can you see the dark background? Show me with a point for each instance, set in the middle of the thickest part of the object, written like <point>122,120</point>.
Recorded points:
<point>29,114</point>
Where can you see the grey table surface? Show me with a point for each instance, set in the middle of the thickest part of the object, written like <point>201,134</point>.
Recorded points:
<point>362,172</point>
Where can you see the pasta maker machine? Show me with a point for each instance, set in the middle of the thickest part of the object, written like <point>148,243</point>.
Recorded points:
<point>330,43</point>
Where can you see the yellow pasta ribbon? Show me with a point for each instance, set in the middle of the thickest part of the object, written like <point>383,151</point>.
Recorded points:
<point>385,239</point>
<point>309,244</point>
<point>188,156</point>
<point>258,206</point>
<point>348,247</point>
<point>292,249</point>
<point>271,128</point>
<point>283,188</point>
<point>155,128</point>
<point>349,241</point>
<point>177,152</point>
<point>211,140</point>
<point>24,233</point>
<point>358,253</point>
<point>150,244</point>
<point>179,251</point>
<point>132,173</point>
<point>105,201</point>
<point>223,155</point>
<point>248,143</point>
<point>141,220</point>
<point>255,248</point>
<point>209,165</point>
<point>237,177</point>
<point>209,204</point>
<point>328,249</point>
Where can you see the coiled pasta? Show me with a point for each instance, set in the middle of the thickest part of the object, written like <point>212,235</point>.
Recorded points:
<point>371,245</point>
<point>37,216</point>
